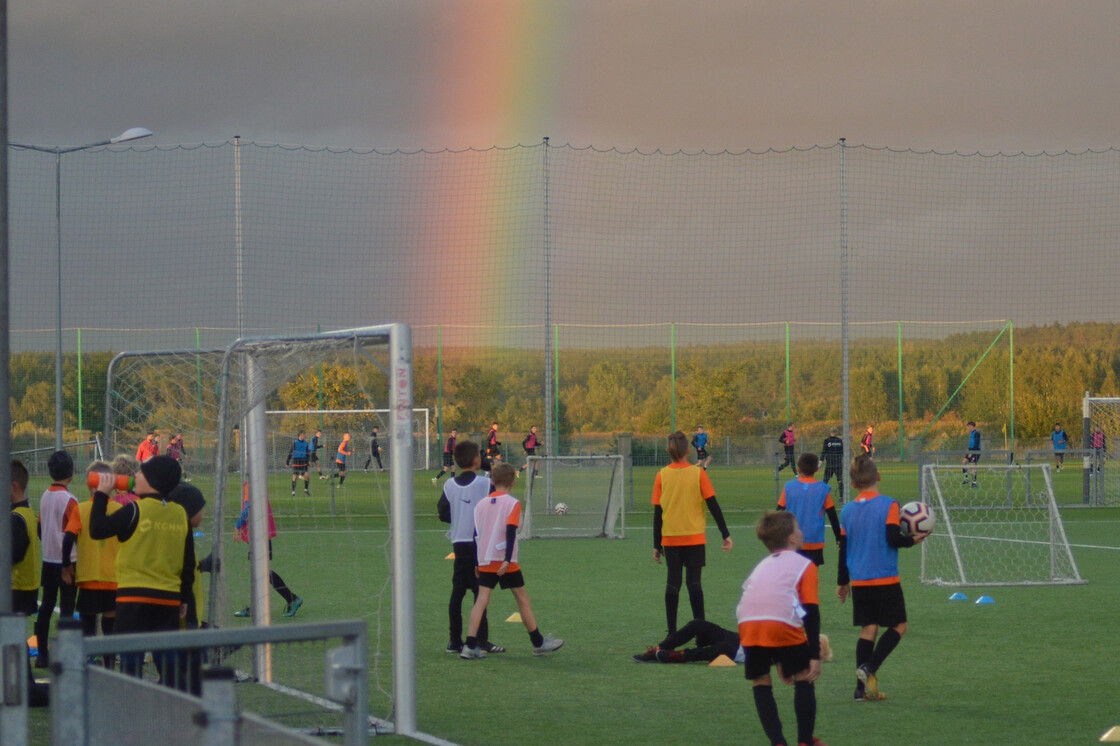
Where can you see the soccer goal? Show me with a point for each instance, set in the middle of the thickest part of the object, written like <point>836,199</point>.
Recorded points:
<point>991,529</point>
<point>1102,469</point>
<point>573,496</point>
<point>344,548</point>
<point>284,424</point>
<point>83,452</point>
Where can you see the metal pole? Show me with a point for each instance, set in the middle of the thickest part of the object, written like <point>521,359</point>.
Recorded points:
<point>789,407</point>
<point>403,531</point>
<point>1086,444</point>
<point>549,396</point>
<point>5,324</point>
<point>58,316</point>
<point>439,385</point>
<point>1011,377</point>
<point>844,303</point>
<point>256,451</point>
<point>901,403</point>
<point>237,238</point>
<point>79,362</point>
<point>672,377</point>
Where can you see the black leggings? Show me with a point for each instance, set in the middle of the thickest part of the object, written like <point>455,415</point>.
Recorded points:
<point>688,564</point>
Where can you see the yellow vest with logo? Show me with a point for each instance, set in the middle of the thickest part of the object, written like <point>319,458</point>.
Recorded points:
<point>26,574</point>
<point>153,556</point>
<point>97,558</point>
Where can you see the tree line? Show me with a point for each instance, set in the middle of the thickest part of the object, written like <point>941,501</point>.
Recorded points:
<point>734,389</point>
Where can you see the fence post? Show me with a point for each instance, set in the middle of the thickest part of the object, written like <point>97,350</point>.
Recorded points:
<point>219,707</point>
<point>1086,443</point>
<point>13,659</point>
<point>626,450</point>
<point>68,672</point>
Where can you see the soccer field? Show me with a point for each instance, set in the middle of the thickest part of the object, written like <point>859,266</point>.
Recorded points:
<point>1034,667</point>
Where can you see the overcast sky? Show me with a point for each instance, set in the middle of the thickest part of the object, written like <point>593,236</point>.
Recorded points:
<point>961,75</point>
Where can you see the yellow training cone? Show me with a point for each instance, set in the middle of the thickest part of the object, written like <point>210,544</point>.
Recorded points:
<point>450,556</point>
<point>514,617</point>
<point>722,662</point>
<point>1112,736</point>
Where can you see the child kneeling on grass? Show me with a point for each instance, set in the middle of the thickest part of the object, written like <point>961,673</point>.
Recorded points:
<point>779,624</point>
<point>496,519</point>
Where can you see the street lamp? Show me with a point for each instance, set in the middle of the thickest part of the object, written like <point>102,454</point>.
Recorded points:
<point>134,133</point>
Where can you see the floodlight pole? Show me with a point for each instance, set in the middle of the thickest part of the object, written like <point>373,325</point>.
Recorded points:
<point>134,133</point>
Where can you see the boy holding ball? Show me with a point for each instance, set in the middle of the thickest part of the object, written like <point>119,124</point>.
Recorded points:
<point>870,537</point>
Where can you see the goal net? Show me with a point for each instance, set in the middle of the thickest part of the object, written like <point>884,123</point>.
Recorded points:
<point>1102,420</point>
<point>573,496</point>
<point>334,547</point>
<point>284,424</point>
<point>997,524</point>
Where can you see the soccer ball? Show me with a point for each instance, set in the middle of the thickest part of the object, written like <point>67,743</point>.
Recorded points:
<point>560,509</point>
<point>916,519</point>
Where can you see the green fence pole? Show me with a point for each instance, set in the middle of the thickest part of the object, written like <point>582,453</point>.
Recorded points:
<point>901,406</point>
<point>1011,378</point>
<point>672,377</point>
<point>198,383</point>
<point>556,389</point>
<point>789,408</point>
<point>971,370</point>
<point>319,330</point>
<point>79,385</point>
<point>439,384</point>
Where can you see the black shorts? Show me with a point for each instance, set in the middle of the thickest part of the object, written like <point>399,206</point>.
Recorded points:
<point>972,457</point>
<point>313,458</point>
<point>448,459</point>
<point>816,556</point>
<point>466,560</point>
<point>95,601</point>
<point>792,658</point>
<point>701,454</point>
<point>340,466</point>
<point>690,556</point>
<point>25,602</point>
<point>881,605</point>
<point>831,471</point>
<point>493,579</point>
<point>530,452</point>
<point>299,466</point>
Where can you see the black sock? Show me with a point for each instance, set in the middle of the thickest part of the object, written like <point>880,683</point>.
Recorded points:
<point>805,707</point>
<point>341,479</point>
<point>536,638</point>
<point>888,641</point>
<point>89,625</point>
<point>107,624</point>
<point>864,649</point>
<point>768,713</point>
<point>471,642</point>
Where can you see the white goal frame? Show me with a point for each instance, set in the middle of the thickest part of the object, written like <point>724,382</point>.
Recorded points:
<point>382,416</point>
<point>972,527</point>
<point>1101,467</point>
<point>541,498</point>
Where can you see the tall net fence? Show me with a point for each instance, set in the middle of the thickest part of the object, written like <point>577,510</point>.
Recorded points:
<point>593,292</point>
